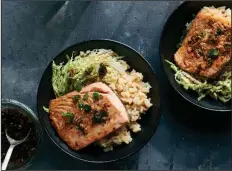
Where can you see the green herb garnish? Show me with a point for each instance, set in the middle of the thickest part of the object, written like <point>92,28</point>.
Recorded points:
<point>96,95</point>
<point>212,39</point>
<point>78,85</point>
<point>213,53</point>
<point>103,113</point>
<point>98,117</point>
<point>67,57</point>
<point>45,109</point>
<point>68,115</point>
<point>86,97</point>
<point>76,98</point>
<point>209,62</point>
<point>81,105</point>
<point>87,108</point>
<point>199,51</point>
<point>219,31</point>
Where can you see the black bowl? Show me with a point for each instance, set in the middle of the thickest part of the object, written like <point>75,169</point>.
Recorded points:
<point>148,122</point>
<point>170,37</point>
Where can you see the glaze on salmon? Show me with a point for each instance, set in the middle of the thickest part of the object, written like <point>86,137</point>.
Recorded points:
<point>81,118</point>
<point>206,49</point>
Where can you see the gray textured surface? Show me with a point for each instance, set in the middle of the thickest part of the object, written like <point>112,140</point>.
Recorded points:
<point>34,32</point>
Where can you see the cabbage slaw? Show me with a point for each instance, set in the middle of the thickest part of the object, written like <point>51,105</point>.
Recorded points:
<point>220,90</point>
<point>77,65</point>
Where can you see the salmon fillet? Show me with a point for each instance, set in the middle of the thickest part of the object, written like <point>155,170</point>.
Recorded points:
<point>87,125</point>
<point>206,49</point>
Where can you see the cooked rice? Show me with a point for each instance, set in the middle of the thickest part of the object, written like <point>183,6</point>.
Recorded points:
<point>221,12</point>
<point>132,91</point>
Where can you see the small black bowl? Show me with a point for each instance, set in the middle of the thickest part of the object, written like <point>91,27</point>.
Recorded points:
<point>170,37</point>
<point>148,122</point>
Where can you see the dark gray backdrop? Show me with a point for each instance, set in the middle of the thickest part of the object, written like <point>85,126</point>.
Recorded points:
<point>33,33</point>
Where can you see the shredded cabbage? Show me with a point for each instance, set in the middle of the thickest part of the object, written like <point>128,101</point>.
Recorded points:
<point>70,76</point>
<point>45,109</point>
<point>221,89</point>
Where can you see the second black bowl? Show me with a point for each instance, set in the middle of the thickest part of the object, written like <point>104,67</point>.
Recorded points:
<point>170,37</point>
<point>148,122</point>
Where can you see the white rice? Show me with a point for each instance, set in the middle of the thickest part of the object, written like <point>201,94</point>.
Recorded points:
<point>132,91</point>
<point>220,12</point>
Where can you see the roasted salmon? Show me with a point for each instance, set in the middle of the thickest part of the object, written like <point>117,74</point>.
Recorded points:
<point>81,118</point>
<point>206,49</point>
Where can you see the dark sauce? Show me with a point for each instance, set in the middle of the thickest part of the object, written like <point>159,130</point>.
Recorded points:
<point>102,70</point>
<point>17,125</point>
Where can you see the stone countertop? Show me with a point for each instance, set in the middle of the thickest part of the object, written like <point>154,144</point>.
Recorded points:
<point>33,33</point>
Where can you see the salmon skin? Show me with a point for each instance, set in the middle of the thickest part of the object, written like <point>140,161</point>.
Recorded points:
<point>206,49</point>
<point>81,118</point>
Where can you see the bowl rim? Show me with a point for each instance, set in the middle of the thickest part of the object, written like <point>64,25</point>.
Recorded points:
<point>159,111</point>
<point>162,62</point>
<point>35,120</point>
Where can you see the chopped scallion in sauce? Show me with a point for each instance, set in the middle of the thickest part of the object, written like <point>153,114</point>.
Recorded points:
<point>86,97</point>
<point>68,115</point>
<point>80,105</point>
<point>199,51</point>
<point>96,95</point>
<point>87,108</point>
<point>219,31</point>
<point>76,98</point>
<point>213,53</point>
<point>78,85</point>
<point>103,113</point>
<point>99,117</point>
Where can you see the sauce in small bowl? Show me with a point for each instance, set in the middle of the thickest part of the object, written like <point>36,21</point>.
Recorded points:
<point>18,119</point>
